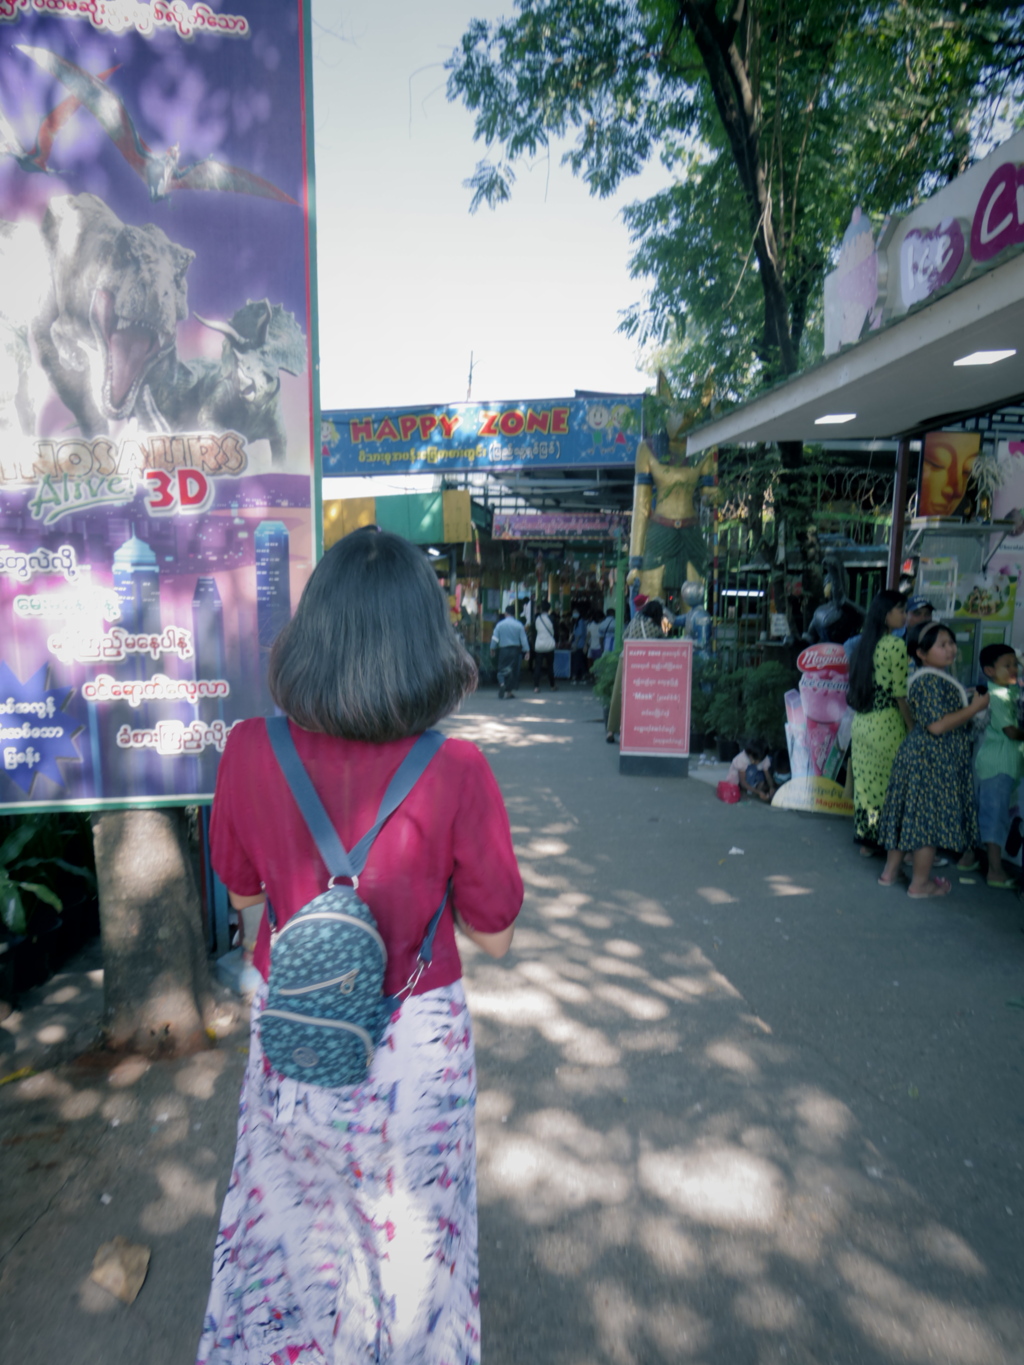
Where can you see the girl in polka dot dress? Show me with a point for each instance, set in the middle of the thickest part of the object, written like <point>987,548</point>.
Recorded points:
<point>930,800</point>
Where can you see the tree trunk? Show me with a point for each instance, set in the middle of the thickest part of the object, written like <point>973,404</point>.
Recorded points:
<point>739,110</point>
<point>156,984</point>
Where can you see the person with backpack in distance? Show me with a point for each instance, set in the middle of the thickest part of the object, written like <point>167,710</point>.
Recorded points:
<point>349,1227</point>
<point>544,647</point>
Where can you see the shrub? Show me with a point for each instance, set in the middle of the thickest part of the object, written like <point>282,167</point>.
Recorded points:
<point>764,707</point>
<point>38,854</point>
<point>603,672</point>
<point>725,713</point>
<point>705,674</point>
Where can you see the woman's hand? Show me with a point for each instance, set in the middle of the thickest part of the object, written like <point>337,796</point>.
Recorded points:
<point>978,703</point>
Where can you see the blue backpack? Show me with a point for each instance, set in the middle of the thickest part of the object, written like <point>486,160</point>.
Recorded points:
<point>326,1009</point>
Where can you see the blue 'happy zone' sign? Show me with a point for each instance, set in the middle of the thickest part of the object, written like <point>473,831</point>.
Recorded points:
<point>585,433</point>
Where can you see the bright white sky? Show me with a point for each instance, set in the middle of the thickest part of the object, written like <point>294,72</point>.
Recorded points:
<point>410,282</point>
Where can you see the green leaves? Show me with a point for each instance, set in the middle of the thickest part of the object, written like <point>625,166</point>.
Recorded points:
<point>874,104</point>
<point>12,910</point>
<point>34,845</point>
<point>16,841</point>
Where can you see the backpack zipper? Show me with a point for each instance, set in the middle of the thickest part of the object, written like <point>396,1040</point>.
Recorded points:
<point>360,1033</point>
<point>319,986</point>
<point>335,915</point>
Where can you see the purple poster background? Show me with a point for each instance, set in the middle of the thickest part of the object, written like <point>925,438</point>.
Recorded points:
<point>156,416</point>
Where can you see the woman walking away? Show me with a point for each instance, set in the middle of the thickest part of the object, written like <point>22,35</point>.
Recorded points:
<point>878,694</point>
<point>349,1229</point>
<point>544,648</point>
<point>931,792</point>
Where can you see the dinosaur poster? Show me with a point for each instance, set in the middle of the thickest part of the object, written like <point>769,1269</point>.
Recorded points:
<point>156,386</point>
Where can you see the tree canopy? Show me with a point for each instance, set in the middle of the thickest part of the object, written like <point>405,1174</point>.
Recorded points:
<point>774,118</point>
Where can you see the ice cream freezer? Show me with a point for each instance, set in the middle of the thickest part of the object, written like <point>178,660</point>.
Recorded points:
<point>972,635</point>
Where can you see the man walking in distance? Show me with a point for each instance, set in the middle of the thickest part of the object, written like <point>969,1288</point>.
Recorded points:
<point>544,648</point>
<point>509,644</point>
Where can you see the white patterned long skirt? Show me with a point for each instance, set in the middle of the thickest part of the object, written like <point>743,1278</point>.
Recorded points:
<point>349,1229</point>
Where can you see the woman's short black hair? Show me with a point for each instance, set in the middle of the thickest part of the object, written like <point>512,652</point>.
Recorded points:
<point>921,637</point>
<point>654,610</point>
<point>370,653</point>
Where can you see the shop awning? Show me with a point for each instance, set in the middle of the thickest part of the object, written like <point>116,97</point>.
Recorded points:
<point>903,379</point>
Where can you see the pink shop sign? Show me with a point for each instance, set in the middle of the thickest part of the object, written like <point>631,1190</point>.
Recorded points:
<point>999,217</point>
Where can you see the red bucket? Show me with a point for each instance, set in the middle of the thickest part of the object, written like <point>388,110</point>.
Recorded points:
<point>728,792</point>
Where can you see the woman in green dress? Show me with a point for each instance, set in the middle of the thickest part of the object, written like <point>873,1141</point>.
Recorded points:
<point>878,694</point>
<point>931,792</point>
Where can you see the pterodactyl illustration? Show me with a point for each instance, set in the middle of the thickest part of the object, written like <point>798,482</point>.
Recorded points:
<point>36,156</point>
<point>160,171</point>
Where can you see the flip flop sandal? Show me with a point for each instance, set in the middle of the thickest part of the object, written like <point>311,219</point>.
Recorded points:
<point>968,867</point>
<point>896,881</point>
<point>943,886</point>
<point>1009,885</point>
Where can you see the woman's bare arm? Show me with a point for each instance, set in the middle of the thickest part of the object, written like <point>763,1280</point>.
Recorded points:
<point>954,719</point>
<point>494,945</point>
<point>240,902</point>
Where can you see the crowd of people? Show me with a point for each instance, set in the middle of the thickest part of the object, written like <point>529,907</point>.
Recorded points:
<point>586,633</point>
<point>935,766</point>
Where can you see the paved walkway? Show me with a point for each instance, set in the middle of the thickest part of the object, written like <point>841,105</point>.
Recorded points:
<point>734,1106</point>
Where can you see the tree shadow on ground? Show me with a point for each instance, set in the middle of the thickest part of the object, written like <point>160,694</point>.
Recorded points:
<point>662,1179</point>
<point>667,1172</point>
<point>101,1147</point>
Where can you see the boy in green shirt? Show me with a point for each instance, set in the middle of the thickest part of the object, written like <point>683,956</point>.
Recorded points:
<point>999,763</point>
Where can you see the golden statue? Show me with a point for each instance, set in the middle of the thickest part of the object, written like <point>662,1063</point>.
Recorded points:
<point>666,544</point>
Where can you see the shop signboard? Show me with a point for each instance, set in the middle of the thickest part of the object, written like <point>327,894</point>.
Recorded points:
<point>157,489</point>
<point>655,730</point>
<point>578,433</point>
<point>969,226</point>
<point>558,526</point>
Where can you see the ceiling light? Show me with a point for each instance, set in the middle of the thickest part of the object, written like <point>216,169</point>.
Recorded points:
<point>834,418</point>
<point>984,357</point>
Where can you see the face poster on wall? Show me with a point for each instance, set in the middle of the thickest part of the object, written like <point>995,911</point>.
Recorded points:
<point>947,458</point>
<point>156,388</point>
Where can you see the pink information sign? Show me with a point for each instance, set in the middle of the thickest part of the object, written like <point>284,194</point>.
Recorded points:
<point>656,676</point>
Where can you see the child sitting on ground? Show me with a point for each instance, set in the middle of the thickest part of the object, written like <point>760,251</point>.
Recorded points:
<point>999,762</point>
<point>751,771</point>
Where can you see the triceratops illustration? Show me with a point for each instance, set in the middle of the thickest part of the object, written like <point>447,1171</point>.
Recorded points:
<point>238,393</point>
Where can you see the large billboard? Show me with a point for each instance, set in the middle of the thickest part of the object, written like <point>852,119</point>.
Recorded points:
<point>548,433</point>
<point>157,395</point>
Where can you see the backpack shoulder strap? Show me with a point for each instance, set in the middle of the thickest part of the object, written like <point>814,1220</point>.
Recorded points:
<point>336,858</point>
<point>410,770</point>
<point>338,861</point>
